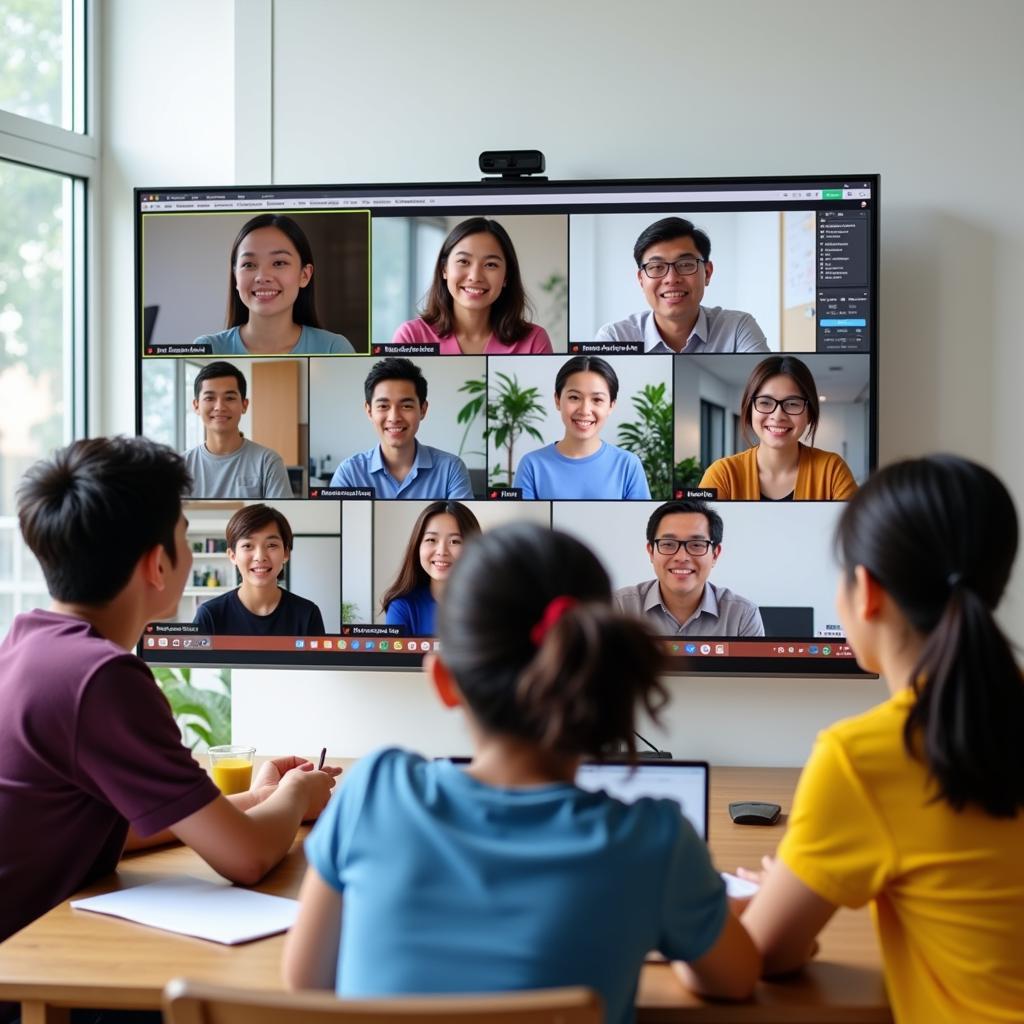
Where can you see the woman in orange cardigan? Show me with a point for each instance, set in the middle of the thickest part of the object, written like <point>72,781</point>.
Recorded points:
<point>779,407</point>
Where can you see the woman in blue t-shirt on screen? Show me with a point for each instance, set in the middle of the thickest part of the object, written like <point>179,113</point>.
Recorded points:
<point>581,465</point>
<point>426,877</point>
<point>271,297</point>
<point>434,547</point>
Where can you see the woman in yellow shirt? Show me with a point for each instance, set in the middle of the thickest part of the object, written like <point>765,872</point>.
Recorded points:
<point>779,407</point>
<point>916,805</point>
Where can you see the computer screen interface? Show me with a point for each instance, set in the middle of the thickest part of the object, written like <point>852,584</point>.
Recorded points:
<point>363,377</point>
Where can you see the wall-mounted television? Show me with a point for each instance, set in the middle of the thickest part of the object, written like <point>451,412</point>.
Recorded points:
<point>683,373</point>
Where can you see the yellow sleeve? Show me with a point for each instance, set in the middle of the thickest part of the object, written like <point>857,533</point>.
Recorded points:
<point>717,476</point>
<point>842,485</point>
<point>836,842</point>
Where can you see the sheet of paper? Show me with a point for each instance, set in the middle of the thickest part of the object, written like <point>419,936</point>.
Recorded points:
<point>217,911</point>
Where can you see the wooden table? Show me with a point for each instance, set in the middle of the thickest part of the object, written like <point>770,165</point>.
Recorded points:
<point>72,958</point>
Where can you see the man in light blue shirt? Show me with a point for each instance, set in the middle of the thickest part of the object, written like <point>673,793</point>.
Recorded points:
<point>401,467</point>
<point>674,265</point>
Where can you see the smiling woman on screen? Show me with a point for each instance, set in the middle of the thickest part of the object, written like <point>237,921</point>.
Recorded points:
<point>435,545</point>
<point>779,408</point>
<point>581,465</point>
<point>271,299</point>
<point>476,303</point>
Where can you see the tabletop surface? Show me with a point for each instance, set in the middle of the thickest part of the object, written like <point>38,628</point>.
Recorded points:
<point>76,958</point>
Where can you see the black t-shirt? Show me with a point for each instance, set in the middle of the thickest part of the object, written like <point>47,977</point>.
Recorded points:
<point>293,616</point>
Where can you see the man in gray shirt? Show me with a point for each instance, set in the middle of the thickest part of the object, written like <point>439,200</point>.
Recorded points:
<point>684,540</point>
<point>674,265</point>
<point>227,465</point>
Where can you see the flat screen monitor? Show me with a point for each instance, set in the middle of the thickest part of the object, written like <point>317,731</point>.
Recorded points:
<point>681,373</point>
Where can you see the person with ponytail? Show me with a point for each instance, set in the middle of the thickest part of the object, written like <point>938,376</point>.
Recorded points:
<point>427,877</point>
<point>915,806</point>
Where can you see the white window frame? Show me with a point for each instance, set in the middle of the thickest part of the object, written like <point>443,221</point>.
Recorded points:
<point>75,153</point>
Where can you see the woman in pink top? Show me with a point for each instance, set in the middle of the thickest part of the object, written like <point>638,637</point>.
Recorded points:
<point>476,303</point>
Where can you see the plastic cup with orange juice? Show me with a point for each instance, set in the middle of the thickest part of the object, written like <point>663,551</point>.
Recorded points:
<point>231,768</point>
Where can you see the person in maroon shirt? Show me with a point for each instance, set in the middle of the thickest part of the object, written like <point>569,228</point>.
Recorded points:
<point>91,760</point>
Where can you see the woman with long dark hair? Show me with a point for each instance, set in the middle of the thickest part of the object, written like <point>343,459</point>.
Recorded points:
<point>916,805</point>
<point>476,303</point>
<point>271,297</point>
<point>780,412</point>
<point>435,545</point>
<point>425,877</point>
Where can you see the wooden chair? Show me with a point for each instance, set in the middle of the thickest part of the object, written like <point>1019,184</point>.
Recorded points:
<point>187,1002</point>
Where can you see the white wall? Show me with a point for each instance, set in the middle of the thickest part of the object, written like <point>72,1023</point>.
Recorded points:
<point>927,93</point>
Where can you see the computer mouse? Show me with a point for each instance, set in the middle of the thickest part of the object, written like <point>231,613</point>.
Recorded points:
<point>751,812</point>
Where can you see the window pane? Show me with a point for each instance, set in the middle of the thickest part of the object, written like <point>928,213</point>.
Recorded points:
<point>35,61</point>
<point>34,321</point>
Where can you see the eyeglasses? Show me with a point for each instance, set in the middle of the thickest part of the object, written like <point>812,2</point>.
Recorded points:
<point>670,545</point>
<point>767,404</point>
<point>685,266</point>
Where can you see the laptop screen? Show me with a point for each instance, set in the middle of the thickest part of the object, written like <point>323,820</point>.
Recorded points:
<point>686,782</point>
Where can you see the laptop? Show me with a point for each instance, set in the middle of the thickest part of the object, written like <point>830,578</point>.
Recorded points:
<point>686,782</point>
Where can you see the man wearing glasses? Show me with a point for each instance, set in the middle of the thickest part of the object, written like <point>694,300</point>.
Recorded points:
<point>684,540</point>
<point>674,266</point>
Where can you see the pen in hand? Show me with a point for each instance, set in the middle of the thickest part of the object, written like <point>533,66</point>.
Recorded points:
<point>323,754</point>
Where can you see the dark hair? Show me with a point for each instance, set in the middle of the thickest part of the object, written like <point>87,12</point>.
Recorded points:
<point>412,575</point>
<point>508,311</point>
<point>93,510</point>
<point>687,506</point>
<point>939,535</point>
<point>395,368</point>
<point>780,366</point>
<point>588,364</point>
<point>304,309</point>
<point>665,230</point>
<point>212,371</point>
<point>246,521</point>
<point>576,690</point>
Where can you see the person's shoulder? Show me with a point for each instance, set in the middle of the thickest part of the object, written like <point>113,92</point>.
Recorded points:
<point>318,340</point>
<point>622,455</point>
<point>726,596</point>
<point>386,766</point>
<point>220,605</point>
<point>195,455</point>
<point>417,330</point>
<point>298,601</point>
<point>631,598</point>
<point>537,341</point>
<point>440,457</point>
<point>629,329</point>
<point>261,452</point>
<point>217,337</point>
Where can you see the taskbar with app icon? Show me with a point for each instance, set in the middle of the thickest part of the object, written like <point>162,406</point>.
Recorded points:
<point>385,647</point>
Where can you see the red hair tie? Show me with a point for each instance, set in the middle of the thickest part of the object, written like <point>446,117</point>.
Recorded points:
<point>555,609</point>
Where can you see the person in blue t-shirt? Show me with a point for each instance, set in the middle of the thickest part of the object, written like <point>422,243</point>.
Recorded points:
<point>581,465</point>
<point>424,877</point>
<point>434,547</point>
<point>271,301</point>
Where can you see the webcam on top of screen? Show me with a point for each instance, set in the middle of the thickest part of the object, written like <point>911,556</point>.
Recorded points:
<point>513,164</point>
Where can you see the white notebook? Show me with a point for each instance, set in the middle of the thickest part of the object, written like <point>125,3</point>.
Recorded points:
<point>217,911</point>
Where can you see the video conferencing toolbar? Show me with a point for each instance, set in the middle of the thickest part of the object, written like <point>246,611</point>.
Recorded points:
<point>683,374</point>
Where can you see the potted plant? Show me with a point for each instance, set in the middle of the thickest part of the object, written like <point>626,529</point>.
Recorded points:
<point>650,438</point>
